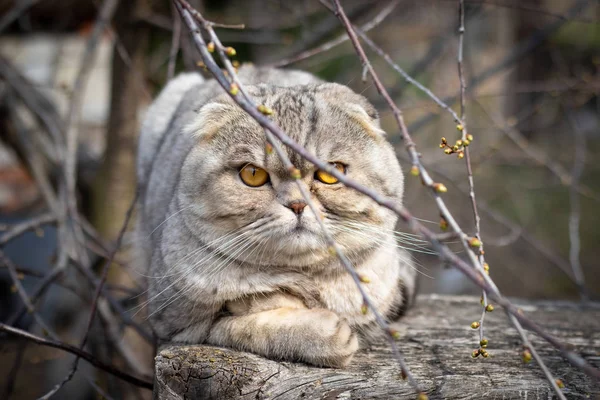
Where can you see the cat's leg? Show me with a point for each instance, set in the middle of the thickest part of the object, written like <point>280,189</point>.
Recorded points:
<point>280,326</point>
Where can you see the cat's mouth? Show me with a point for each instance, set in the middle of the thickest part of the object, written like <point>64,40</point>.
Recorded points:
<point>300,228</point>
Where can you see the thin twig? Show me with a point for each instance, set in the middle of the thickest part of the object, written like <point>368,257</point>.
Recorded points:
<point>73,120</point>
<point>294,173</point>
<point>106,268</point>
<point>517,231</point>
<point>94,305</point>
<point>406,76</point>
<point>523,6</point>
<point>31,308</point>
<point>445,254</point>
<point>226,26</point>
<point>522,49</point>
<point>517,325</point>
<point>575,213</point>
<point>42,108</point>
<point>477,264</point>
<point>115,305</point>
<point>14,13</point>
<point>443,251</point>
<point>12,269</point>
<point>79,353</point>
<point>509,129</point>
<point>175,44</point>
<point>33,159</point>
<point>14,276</point>
<point>69,286</point>
<point>43,285</point>
<point>30,224</point>
<point>337,41</point>
<point>463,118</point>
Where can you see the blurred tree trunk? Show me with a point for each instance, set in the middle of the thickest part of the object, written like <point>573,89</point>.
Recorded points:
<point>536,67</point>
<point>116,183</point>
<point>115,186</point>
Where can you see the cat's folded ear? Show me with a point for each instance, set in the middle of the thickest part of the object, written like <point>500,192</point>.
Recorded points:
<point>211,117</point>
<point>354,105</point>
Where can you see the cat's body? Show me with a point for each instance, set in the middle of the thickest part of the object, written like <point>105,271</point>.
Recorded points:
<point>247,267</point>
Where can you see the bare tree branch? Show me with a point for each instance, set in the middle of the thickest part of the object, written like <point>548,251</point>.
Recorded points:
<point>478,277</point>
<point>175,44</point>
<point>337,41</point>
<point>186,12</point>
<point>79,353</point>
<point>28,225</point>
<point>575,214</point>
<point>519,51</point>
<point>94,305</point>
<point>18,10</point>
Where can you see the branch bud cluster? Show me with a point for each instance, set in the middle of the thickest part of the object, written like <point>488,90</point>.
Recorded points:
<point>459,146</point>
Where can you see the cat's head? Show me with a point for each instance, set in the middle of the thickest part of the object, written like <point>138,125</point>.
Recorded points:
<point>240,200</point>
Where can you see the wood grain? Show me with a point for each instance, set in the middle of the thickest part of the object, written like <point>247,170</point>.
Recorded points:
<point>436,341</point>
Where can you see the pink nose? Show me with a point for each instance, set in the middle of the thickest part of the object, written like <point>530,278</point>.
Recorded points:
<point>297,207</point>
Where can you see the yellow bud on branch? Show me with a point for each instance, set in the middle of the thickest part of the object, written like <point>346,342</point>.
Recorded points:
<point>295,173</point>
<point>474,242</point>
<point>526,356</point>
<point>440,188</point>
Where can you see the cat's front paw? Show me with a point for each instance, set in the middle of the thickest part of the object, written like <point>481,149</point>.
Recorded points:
<point>330,341</point>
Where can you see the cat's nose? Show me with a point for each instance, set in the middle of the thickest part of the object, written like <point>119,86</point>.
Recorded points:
<point>297,206</point>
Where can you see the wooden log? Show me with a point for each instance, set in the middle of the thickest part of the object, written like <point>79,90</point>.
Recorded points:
<point>437,342</point>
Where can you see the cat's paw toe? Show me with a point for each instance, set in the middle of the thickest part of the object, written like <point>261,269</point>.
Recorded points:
<point>338,342</point>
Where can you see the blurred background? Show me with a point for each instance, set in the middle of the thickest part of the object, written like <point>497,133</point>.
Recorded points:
<point>532,70</point>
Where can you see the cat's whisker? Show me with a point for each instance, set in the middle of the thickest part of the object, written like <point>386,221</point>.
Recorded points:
<point>210,275</point>
<point>168,218</point>
<point>187,257</point>
<point>212,270</point>
<point>201,192</point>
<point>418,244</point>
<point>408,236</point>
<point>242,246</point>
<point>191,254</point>
<point>186,271</point>
<point>261,256</point>
<point>412,247</point>
<point>277,250</point>
<point>236,241</point>
<point>168,302</point>
<point>402,236</point>
<point>408,260</point>
<point>237,234</point>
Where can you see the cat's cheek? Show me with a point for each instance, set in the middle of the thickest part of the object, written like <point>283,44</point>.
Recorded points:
<point>345,202</point>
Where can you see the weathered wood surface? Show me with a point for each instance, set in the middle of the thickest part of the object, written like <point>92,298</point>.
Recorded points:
<point>437,343</point>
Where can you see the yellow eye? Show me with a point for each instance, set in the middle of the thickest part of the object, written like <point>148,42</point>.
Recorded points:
<point>253,176</point>
<point>327,178</point>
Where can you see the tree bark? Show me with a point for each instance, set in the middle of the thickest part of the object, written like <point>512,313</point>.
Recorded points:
<point>116,181</point>
<point>115,186</point>
<point>437,342</point>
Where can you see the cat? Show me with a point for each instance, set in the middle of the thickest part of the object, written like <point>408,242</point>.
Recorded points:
<point>235,258</point>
